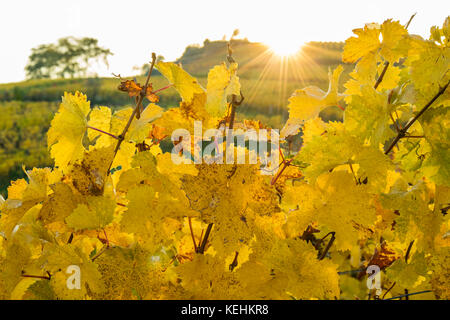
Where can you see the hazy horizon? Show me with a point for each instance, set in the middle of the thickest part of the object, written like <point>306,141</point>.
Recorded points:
<point>132,32</point>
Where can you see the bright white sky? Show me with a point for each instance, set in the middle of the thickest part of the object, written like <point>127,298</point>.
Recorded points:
<point>133,29</point>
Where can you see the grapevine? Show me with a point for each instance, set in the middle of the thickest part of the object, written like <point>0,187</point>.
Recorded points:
<point>370,190</point>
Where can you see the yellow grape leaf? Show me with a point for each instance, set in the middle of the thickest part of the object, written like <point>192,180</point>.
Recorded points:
<point>345,208</point>
<point>122,160</point>
<point>57,258</point>
<point>291,127</point>
<point>391,78</point>
<point>100,118</point>
<point>17,256</point>
<point>392,32</point>
<point>207,277</point>
<point>222,82</point>
<point>367,116</point>
<point>290,269</point>
<point>16,189</point>
<point>140,128</point>
<point>428,63</point>
<point>436,128</point>
<point>173,119</point>
<point>366,40</point>
<point>67,130</point>
<point>96,214</point>
<point>41,290</point>
<point>195,109</point>
<point>313,128</point>
<point>186,85</point>
<point>185,115</point>
<point>414,220</point>
<point>259,283</point>
<point>31,193</point>
<point>174,171</point>
<point>300,204</point>
<point>37,184</point>
<point>59,204</point>
<point>90,175</point>
<point>128,273</point>
<point>328,204</point>
<point>144,172</point>
<point>429,73</point>
<point>230,196</point>
<point>410,274</point>
<point>327,147</point>
<point>21,288</point>
<point>145,217</point>
<point>440,278</point>
<point>352,288</point>
<point>307,103</point>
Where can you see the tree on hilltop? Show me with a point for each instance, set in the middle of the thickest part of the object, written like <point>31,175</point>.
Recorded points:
<point>67,58</point>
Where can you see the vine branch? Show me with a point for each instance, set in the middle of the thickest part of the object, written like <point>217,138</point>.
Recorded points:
<point>327,248</point>
<point>36,277</point>
<point>235,262</point>
<point>104,132</point>
<point>402,133</point>
<point>201,248</point>
<point>408,294</point>
<point>409,21</point>
<point>136,112</point>
<point>192,234</point>
<point>408,251</point>
<point>392,286</point>
<point>234,104</point>
<point>380,78</point>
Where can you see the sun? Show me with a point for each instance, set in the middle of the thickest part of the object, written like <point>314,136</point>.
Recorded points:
<point>284,47</point>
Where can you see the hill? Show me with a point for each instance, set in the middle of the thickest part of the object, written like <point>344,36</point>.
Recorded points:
<point>257,60</point>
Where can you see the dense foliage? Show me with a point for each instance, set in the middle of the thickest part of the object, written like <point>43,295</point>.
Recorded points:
<point>23,129</point>
<point>370,190</point>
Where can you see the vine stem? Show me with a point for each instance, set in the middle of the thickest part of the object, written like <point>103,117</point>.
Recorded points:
<point>104,132</point>
<point>380,78</point>
<point>234,104</point>
<point>403,131</point>
<point>201,248</point>
<point>351,271</point>
<point>410,19</point>
<point>408,251</point>
<point>285,165</point>
<point>35,277</point>
<point>121,137</point>
<point>100,253</point>
<point>330,243</point>
<point>408,294</point>
<point>163,88</point>
<point>384,295</point>
<point>70,238</point>
<point>192,234</point>
<point>235,262</point>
